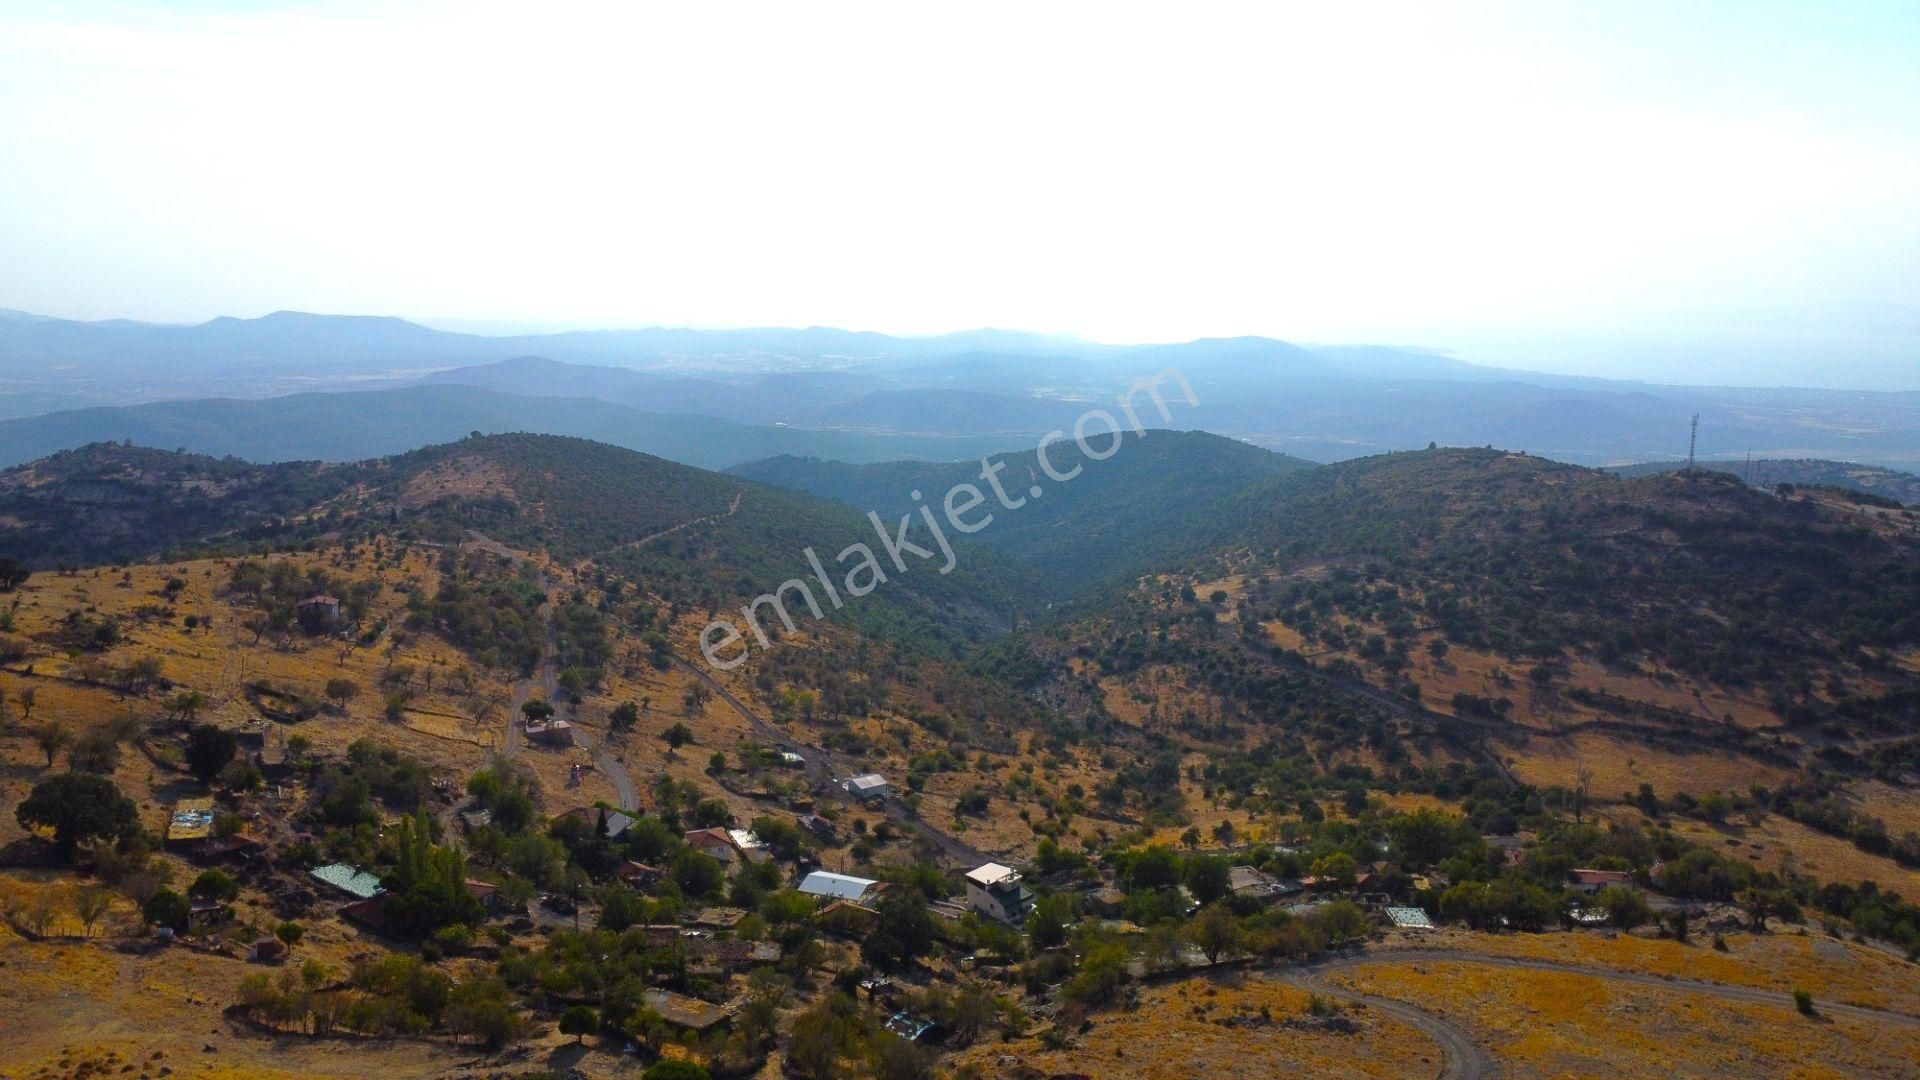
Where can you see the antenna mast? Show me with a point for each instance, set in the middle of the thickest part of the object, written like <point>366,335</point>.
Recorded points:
<point>1693,438</point>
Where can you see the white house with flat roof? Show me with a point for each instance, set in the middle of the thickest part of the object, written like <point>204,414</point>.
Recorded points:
<point>828,885</point>
<point>867,788</point>
<point>997,892</point>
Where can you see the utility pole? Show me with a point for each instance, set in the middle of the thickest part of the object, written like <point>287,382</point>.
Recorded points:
<point>1693,438</point>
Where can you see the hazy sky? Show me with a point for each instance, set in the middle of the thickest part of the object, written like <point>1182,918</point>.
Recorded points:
<point>1691,192</point>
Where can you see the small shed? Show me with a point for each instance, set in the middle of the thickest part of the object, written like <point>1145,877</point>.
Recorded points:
<point>639,876</point>
<point>869,787</point>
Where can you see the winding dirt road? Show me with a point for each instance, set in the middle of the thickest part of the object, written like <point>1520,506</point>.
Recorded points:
<point>546,679</point>
<point>1465,1059</point>
<point>1461,1057</point>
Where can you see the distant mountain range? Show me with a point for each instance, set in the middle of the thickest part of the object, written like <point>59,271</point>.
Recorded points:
<point>860,395</point>
<point>349,426</point>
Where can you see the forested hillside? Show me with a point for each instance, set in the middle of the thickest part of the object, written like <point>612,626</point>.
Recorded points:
<point>1112,519</point>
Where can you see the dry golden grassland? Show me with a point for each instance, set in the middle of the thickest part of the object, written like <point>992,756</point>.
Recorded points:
<point>1540,1023</point>
<point>1898,807</point>
<point>1617,767</point>
<point>75,1008</point>
<point>1180,1030</point>
<point>1832,970</point>
<point>1778,843</point>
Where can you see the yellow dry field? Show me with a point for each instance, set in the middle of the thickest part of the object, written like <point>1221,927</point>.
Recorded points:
<point>1831,970</point>
<point>1186,1029</point>
<point>1898,807</point>
<point>1550,1024</point>
<point>1619,766</point>
<point>1484,674</point>
<point>1406,802</point>
<point>77,1009</point>
<point>455,720</point>
<point>1778,843</point>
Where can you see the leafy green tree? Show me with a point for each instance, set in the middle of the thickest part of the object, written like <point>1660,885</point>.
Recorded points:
<point>187,704</point>
<point>52,736</point>
<point>428,887</point>
<point>903,932</point>
<point>213,885</point>
<point>1208,878</point>
<point>623,718</point>
<point>341,691</point>
<point>209,748</point>
<point>1155,867</point>
<point>1338,867</point>
<point>166,908</point>
<point>677,736</point>
<point>697,874</point>
<point>1047,923</point>
<point>1340,922</point>
<point>96,751</point>
<point>579,1021</point>
<point>1215,932</point>
<point>13,574</point>
<point>79,808</point>
<point>1625,908</point>
<point>90,904</point>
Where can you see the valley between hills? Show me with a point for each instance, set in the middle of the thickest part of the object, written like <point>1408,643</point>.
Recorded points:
<point>1455,762</point>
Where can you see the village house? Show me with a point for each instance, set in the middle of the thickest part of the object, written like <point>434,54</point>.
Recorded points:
<point>351,880</point>
<point>828,885</point>
<point>847,918</point>
<point>1249,883</point>
<point>998,892</point>
<point>910,1026</point>
<point>717,843</point>
<point>617,822</point>
<point>750,847</point>
<point>549,732</point>
<point>682,1011</point>
<point>202,913</point>
<point>1589,882</point>
<point>191,821</point>
<point>719,918</point>
<point>318,614</point>
<point>639,876</point>
<point>871,787</point>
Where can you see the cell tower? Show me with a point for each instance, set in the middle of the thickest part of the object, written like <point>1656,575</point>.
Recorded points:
<point>1693,439</point>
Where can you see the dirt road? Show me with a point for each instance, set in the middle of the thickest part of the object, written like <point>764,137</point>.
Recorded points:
<point>545,679</point>
<point>1465,1059</point>
<point>1461,1057</point>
